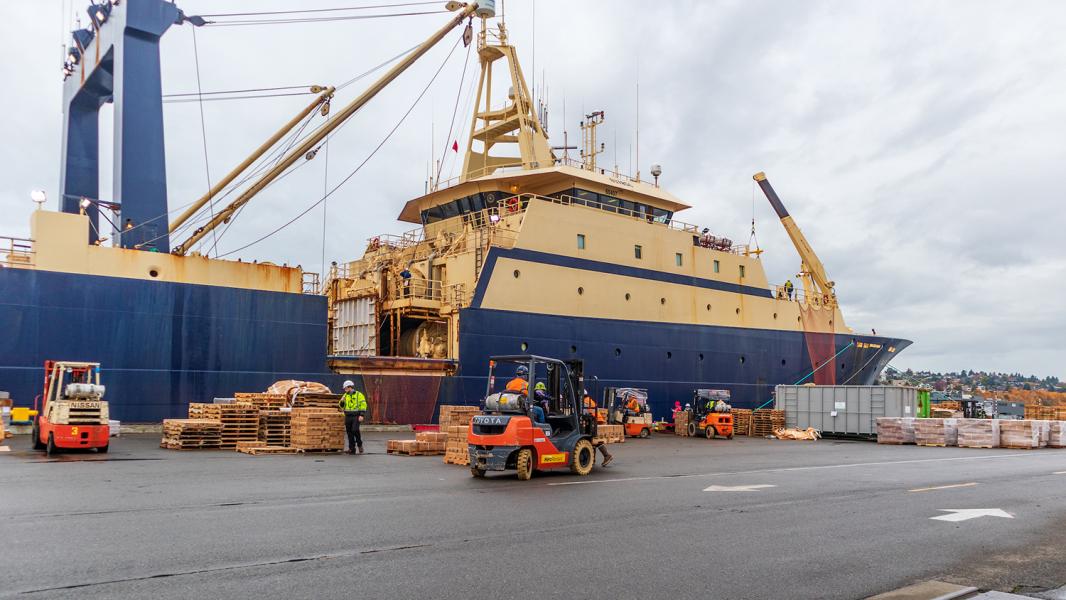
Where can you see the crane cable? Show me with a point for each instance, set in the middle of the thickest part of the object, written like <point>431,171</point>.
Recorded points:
<point>320,10</point>
<point>455,111</point>
<point>239,23</point>
<point>360,165</point>
<point>203,124</point>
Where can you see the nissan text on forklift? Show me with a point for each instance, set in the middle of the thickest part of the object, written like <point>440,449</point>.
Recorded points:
<point>509,433</point>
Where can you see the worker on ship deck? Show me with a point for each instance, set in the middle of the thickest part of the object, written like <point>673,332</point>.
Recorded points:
<point>353,403</point>
<point>788,289</point>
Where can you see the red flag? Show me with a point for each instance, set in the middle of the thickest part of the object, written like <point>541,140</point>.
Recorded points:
<point>455,146</point>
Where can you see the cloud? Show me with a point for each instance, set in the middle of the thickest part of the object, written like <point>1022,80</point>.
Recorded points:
<point>917,145</point>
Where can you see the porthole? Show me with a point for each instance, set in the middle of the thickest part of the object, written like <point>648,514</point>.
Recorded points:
<point>775,315</point>
<point>573,349</point>
<point>842,366</point>
<point>738,310</point>
<point>701,356</point>
<point>580,291</point>
<point>618,352</point>
<point>627,296</point>
<point>517,273</point>
<point>783,362</point>
<point>708,307</point>
<point>525,346</point>
<point>153,273</point>
<point>742,359</point>
<point>662,300</point>
<point>798,319</point>
<point>669,355</point>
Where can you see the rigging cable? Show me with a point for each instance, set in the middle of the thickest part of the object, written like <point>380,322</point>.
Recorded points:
<point>360,165</point>
<point>216,92</point>
<point>320,10</point>
<point>260,168</point>
<point>318,19</point>
<point>458,96</point>
<point>325,192</point>
<point>203,125</point>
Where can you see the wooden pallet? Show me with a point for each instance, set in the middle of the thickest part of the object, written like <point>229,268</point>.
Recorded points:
<point>454,415</point>
<point>262,401</point>
<point>741,421</point>
<point>317,429</point>
<point>191,434</point>
<point>256,450</point>
<point>275,427</point>
<point>319,450</point>
<point>764,422</point>
<point>317,400</point>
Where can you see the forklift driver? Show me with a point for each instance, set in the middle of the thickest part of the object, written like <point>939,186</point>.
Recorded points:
<point>520,383</point>
<point>540,403</point>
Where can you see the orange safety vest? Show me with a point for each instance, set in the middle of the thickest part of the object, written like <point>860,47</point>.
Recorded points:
<point>633,406</point>
<point>518,385</point>
<point>590,405</point>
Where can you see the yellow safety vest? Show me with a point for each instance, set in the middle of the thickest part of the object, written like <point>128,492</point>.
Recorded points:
<point>353,402</point>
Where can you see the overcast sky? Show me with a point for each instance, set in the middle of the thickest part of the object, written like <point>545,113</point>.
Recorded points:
<point>918,145</point>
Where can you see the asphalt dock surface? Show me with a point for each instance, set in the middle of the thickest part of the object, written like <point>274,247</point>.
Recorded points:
<point>671,518</point>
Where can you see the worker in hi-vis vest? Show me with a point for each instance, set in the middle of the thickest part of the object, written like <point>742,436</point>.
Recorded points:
<point>353,403</point>
<point>520,383</point>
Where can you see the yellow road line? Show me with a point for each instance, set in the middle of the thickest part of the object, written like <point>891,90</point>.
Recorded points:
<point>944,487</point>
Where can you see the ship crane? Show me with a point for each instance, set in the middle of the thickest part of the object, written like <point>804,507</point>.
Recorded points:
<point>309,145</point>
<point>816,283</point>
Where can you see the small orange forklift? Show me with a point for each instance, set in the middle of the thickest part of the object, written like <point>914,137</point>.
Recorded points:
<point>710,414</point>
<point>71,411</point>
<point>629,407</point>
<point>531,427</point>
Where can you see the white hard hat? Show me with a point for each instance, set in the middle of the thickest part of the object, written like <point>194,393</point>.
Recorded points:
<point>348,383</point>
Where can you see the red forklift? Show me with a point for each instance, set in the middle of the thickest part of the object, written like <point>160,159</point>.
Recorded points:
<point>71,411</point>
<point>628,407</point>
<point>711,414</point>
<point>535,424</point>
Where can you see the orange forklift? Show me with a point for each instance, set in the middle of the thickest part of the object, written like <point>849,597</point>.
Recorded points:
<point>629,407</point>
<point>710,414</point>
<point>532,420</point>
<point>71,411</point>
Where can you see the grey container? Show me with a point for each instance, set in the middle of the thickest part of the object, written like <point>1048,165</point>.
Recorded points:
<point>844,409</point>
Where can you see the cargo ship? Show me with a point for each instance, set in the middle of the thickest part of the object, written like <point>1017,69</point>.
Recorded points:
<point>527,251</point>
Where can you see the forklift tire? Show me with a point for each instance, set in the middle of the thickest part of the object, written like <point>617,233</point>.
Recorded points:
<point>51,448</point>
<point>729,437</point>
<point>476,472</point>
<point>644,433</point>
<point>37,445</point>
<point>103,449</point>
<point>710,432</point>
<point>583,458</point>
<point>524,464</point>
<point>691,430</point>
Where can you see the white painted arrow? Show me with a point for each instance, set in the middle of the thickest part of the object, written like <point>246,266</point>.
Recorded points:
<point>738,488</point>
<point>965,514</point>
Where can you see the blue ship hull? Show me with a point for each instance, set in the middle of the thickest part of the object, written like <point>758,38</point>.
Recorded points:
<point>163,345</point>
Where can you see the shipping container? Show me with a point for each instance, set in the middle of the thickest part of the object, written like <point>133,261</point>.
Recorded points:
<point>844,409</point>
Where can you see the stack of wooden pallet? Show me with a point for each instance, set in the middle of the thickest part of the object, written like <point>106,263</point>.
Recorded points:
<point>610,434</point>
<point>240,421</point>
<point>316,400</point>
<point>681,419</point>
<point>426,443</point>
<point>936,432</point>
<point>275,427</point>
<point>895,430</point>
<point>978,433</point>
<point>188,434</point>
<point>765,421</point>
<point>454,414</point>
<point>455,446</point>
<point>317,429</point>
<point>741,421</point>
<point>262,401</point>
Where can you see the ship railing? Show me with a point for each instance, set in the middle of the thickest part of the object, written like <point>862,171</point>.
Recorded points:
<point>525,166</point>
<point>311,283</point>
<point>799,295</point>
<point>420,289</point>
<point>393,241</point>
<point>519,202</point>
<point>455,295</point>
<point>16,252</point>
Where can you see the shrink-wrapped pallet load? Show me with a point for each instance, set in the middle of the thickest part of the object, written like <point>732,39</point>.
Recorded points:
<point>895,430</point>
<point>936,432</point>
<point>978,433</point>
<point>1019,434</point>
<point>1057,434</point>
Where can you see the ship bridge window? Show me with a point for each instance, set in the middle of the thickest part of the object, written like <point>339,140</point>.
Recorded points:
<point>638,252</point>
<point>677,259</point>
<point>717,266</point>
<point>613,204</point>
<point>580,241</point>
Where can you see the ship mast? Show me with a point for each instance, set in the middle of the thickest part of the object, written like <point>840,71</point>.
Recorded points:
<point>312,141</point>
<point>812,272</point>
<point>516,123</point>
